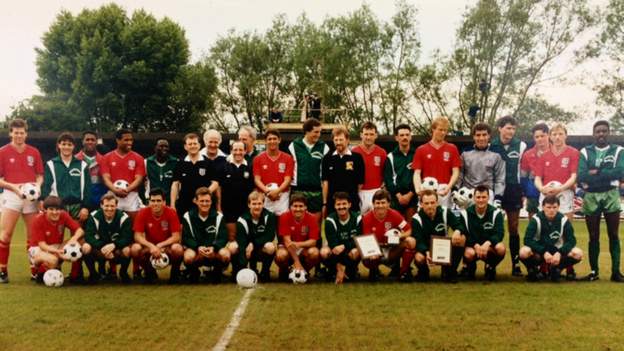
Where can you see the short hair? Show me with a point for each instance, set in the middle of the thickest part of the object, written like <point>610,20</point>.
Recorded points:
<point>401,126</point>
<point>559,126</point>
<point>212,132</point>
<point>298,197</point>
<point>482,188</point>
<point>89,132</point>
<point>481,126</point>
<point>249,129</point>
<point>540,126</point>
<point>255,195</point>
<point>18,123</point>
<point>121,132</point>
<point>340,130</point>
<point>310,124</point>
<point>190,136</point>
<point>602,122</point>
<point>369,125</point>
<point>550,200</point>
<point>237,142</point>
<point>202,190</point>
<point>52,202</point>
<point>505,120</point>
<point>272,131</point>
<point>162,139</point>
<point>438,121</point>
<point>381,194</point>
<point>341,195</point>
<point>428,192</point>
<point>107,197</point>
<point>65,136</point>
<point>156,192</point>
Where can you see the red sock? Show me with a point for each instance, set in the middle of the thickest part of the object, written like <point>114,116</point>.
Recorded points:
<point>4,252</point>
<point>76,269</point>
<point>136,265</point>
<point>406,260</point>
<point>544,268</point>
<point>113,267</point>
<point>569,269</point>
<point>42,269</point>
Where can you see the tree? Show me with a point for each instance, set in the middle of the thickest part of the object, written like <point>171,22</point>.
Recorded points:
<point>536,109</point>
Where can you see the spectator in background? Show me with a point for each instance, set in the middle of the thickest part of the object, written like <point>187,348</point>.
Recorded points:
<point>275,116</point>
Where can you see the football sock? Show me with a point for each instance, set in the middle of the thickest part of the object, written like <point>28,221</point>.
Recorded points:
<point>567,262</point>
<point>493,259</point>
<point>76,269</point>
<point>90,263</point>
<point>457,252</point>
<point>125,263</point>
<point>4,252</point>
<point>614,249</point>
<point>514,247</point>
<point>136,265</point>
<point>594,250</point>
<point>406,260</point>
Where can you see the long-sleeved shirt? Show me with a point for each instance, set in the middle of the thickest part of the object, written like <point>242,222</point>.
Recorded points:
<point>483,166</point>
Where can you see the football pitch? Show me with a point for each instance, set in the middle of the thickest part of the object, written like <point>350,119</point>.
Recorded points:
<point>503,315</point>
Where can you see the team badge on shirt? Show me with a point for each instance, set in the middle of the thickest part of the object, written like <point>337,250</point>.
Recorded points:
<point>30,160</point>
<point>377,161</point>
<point>565,162</point>
<point>211,229</point>
<point>387,225</point>
<point>488,225</point>
<point>348,166</point>
<point>60,228</point>
<point>440,227</point>
<point>12,160</point>
<point>446,155</point>
<point>555,235</point>
<point>131,165</point>
<point>164,225</point>
<point>281,167</point>
<point>245,175</point>
<point>202,172</point>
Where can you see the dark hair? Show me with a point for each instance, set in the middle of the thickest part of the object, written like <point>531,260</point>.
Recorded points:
<point>190,136</point>
<point>162,139</point>
<point>202,190</point>
<point>401,126</point>
<point>602,122</point>
<point>156,192</point>
<point>550,200</point>
<point>482,188</point>
<point>428,192</point>
<point>540,126</point>
<point>310,124</point>
<point>369,125</point>
<point>52,202</point>
<point>298,197</point>
<point>481,126</point>
<point>108,196</point>
<point>65,136</point>
<point>341,195</point>
<point>381,194</point>
<point>121,132</point>
<point>505,120</point>
<point>18,123</point>
<point>272,131</point>
<point>89,132</point>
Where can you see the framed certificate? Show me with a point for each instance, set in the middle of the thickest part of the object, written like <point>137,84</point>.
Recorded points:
<point>441,250</point>
<point>368,245</point>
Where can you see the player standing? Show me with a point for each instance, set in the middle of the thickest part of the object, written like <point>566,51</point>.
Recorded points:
<point>374,161</point>
<point>398,172</point>
<point>528,166</point>
<point>94,159</point>
<point>273,172</point>
<point>159,168</point>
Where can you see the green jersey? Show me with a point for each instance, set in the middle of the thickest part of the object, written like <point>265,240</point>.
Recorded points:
<point>480,229</point>
<point>339,233</point>
<point>398,172</point>
<point>100,232</point>
<point>70,182</point>
<point>257,232</point>
<point>555,235</point>
<point>423,227</point>
<point>608,161</point>
<point>512,154</point>
<point>250,156</point>
<point>308,160</point>
<point>209,231</point>
<point>159,175</point>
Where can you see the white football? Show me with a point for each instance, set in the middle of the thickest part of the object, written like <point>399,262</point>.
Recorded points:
<point>554,184</point>
<point>53,278</point>
<point>72,252</point>
<point>298,276</point>
<point>31,192</point>
<point>430,183</point>
<point>121,184</point>
<point>463,197</point>
<point>246,278</point>
<point>160,263</point>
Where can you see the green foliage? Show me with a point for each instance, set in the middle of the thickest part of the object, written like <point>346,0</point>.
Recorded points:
<point>536,109</point>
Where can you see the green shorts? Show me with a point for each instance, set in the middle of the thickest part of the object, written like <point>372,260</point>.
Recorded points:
<point>73,210</point>
<point>532,205</point>
<point>604,202</point>
<point>315,200</point>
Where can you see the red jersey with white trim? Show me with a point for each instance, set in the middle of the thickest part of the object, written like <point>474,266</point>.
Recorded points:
<point>529,161</point>
<point>273,170</point>
<point>157,229</point>
<point>20,167</point>
<point>307,229</point>
<point>123,167</point>
<point>374,162</point>
<point>437,163</point>
<point>558,167</point>
<point>394,219</point>
<point>51,232</point>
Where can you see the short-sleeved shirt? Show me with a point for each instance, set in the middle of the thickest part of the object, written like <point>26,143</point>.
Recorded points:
<point>551,167</point>
<point>125,167</point>
<point>394,219</point>
<point>51,232</point>
<point>191,176</point>
<point>304,230</point>
<point>436,162</point>
<point>157,229</point>
<point>529,161</point>
<point>374,162</point>
<point>273,170</point>
<point>20,167</point>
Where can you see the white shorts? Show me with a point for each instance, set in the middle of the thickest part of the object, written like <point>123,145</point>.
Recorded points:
<point>447,200</point>
<point>12,201</point>
<point>366,200</point>
<point>130,203</point>
<point>566,201</point>
<point>35,250</point>
<point>278,206</point>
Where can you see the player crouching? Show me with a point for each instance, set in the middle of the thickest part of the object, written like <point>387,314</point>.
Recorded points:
<point>48,228</point>
<point>205,237</point>
<point>108,236</point>
<point>157,231</point>
<point>299,231</point>
<point>340,228</point>
<point>549,239</point>
<point>484,234</point>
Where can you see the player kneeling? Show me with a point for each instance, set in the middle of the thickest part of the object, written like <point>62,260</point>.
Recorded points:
<point>484,234</point>
<point>157,231</point>
<point>48,228</point>
<point>205,238</point>
<point>340,228</point>
<point>434,220</point>
<point>381,222</point>
<point>299,231</point>
<point>549,239</point>
<point>255,231</point>
<point>108,236</point>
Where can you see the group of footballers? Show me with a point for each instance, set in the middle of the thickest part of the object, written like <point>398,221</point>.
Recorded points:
<point>210,210</point>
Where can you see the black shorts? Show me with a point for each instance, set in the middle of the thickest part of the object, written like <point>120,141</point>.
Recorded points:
<point>512,197</point>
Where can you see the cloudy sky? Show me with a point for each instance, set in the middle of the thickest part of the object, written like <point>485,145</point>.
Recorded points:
<point>22,24</point>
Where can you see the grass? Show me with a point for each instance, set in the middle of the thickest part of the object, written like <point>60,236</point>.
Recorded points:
<point>507,314</point>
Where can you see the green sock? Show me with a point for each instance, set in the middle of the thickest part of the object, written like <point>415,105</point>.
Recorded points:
<point>594,251</point>
<point>614,248</point>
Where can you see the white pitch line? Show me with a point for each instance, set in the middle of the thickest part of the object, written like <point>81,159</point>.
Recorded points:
<point>234,322</point>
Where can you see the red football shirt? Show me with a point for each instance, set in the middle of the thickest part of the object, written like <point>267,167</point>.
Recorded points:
<point>19,168</point>
<point>157,229</point>
<point>299,231</point>
<point>51,232</point>
<point>123,167</point>
<point>394,219</point>
<point>529,161</point>
<point>273,170</point>
<point>374,162</point>
<point>558,167</point>
<point>436,163</point>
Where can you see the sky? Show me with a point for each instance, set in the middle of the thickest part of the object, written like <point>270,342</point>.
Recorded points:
<point>22,24</point>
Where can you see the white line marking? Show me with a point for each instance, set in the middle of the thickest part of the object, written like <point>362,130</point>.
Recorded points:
<point>234,322</point>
